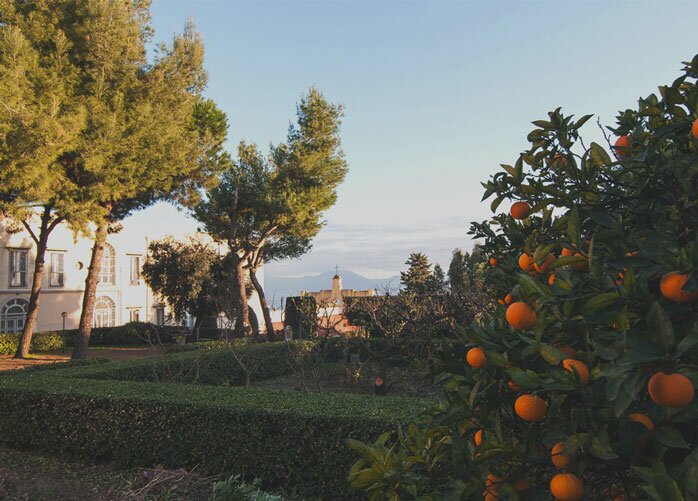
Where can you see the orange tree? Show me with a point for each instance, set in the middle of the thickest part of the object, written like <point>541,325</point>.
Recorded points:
<point>586,390</point>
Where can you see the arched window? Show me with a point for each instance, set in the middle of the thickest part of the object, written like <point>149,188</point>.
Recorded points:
<point>107,276</point>
<point>105,312</point>
<point>14,315</point>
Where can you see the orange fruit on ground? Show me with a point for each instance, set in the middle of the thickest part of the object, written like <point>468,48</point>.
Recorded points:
<point>579,266</point>
<point>478,438</point>
<point>521,316</point>
<point>514,386</point>
<point>670,390</point>
<point>522,484</point>
<point>558,458</point>
<point>493,261</point>
<point>694,128</point>
<point>530,408</point>
<point>526,263</point>
<point>520,210</point>
<point>671,287</point>
<point>643,419</point>
<point>508,298</point>
<point>476,357</point>
<point>545,265</point>
<point>566,487</point>
<point>551,279</point>
<point>621,146</point>
<point>571,365</point>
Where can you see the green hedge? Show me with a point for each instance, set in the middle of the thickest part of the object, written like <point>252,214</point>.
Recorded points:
<point>292,440</point>
<point>41,341</point>
<point>216,366</point>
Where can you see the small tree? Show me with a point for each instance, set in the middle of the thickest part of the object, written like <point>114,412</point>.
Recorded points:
<point>262,200</point>
<point>184,275</point>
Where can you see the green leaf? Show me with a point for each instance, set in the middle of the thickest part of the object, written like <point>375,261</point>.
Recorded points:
<point>573,229</point>
<point>600,302</point>
<point>671,437</point>
<point>601,448</point>
<point>599,155</point>
<point>660,327</point>
<point>551,354</point>
<point>531,285</point>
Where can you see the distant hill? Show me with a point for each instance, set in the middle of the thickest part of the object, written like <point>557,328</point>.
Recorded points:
<point>278,287</point>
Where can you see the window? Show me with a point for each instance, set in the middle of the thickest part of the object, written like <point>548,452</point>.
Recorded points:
<point>160,316</point>
<point>18,267</point>
<point>105,312</point>
<point>14,315</point>
<point>135,270</point>
<point>106,268</point>
<point>56,277</point>
<point>134,315</point>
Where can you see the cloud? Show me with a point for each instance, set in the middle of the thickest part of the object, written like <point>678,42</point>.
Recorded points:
<point>378,250</point>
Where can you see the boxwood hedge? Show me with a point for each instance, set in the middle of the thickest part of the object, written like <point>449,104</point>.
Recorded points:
<point>291,439</point>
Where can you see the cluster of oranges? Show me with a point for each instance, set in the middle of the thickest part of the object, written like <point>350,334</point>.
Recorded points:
<point>673,390</point>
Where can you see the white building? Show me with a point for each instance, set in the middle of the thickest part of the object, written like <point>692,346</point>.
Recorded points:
<point>122,295</point>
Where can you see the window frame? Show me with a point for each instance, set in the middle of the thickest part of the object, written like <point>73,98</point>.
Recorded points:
<point>22,273</point>
<point>111,317</point>
<point>110,266</point>
<point>135,271</point>
<point>15,301</point>
<point>52,272</point>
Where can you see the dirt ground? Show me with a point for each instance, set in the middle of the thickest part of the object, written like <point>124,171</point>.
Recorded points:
<point>7,362</point>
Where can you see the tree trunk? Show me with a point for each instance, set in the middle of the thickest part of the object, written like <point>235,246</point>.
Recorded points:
<point>33,311</point>
<point>269,326</point>
<point>89,297</point>
<point>242,322</point>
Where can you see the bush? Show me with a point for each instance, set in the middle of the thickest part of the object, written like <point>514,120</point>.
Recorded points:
<point>291,440</point>
<point>136,333</point>
<point>217,366</point>
<point>41,341</point>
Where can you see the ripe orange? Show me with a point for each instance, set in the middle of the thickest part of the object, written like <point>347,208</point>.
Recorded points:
<point>520,210</point>
<point>530,408</point>
<point>551,279</point>
<point>579,266</point>
<point>478,438</point>
<point>694,128</point>
<point>643,419</point>
<point>545,265</point>
<point>493,261</point>
<point>566,487</point>
<point>521,316</point>
<point>622,146</point>
<point>476,357</point>
<point>559,459</point>
<point>492,484</point>
<point>670,390</point>
<point>522,484</point>
<point>571,365</point>
<point>671,287</point>
<point>526,263</point>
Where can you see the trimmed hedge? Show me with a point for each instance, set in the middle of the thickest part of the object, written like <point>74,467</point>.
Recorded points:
<point>41,341</point>
<point>215,366</point>
<point>292,440</point>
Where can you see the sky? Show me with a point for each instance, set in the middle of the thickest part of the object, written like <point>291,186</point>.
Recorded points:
<point>437,94</point>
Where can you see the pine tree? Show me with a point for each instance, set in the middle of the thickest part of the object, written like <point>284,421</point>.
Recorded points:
<point>417,278</point>
<point>262,202</point>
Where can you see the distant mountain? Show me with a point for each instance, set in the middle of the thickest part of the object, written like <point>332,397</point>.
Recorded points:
<point>278,287</point>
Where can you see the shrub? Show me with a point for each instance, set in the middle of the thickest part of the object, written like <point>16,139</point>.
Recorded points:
<point>218,366</point>
<point>41,341</point>
<point>289,439</point>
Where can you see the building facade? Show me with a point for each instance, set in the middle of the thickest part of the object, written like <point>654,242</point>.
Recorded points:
<point>335,296</point>
<point>122,294</point>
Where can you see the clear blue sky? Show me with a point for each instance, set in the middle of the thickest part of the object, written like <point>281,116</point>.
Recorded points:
<point>437,95</point>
